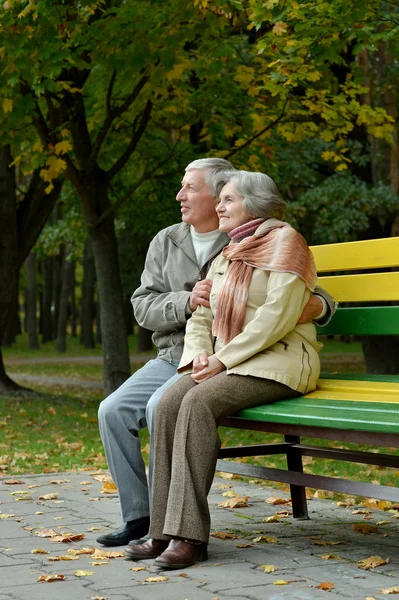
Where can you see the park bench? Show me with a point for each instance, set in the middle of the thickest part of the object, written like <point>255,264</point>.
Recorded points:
<point>345,408</point>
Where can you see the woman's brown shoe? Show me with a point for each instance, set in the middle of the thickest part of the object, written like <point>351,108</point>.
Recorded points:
<point>150,549</point>
<point>181,554</point>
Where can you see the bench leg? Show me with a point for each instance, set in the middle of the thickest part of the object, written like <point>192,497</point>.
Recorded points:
<point>298,492</point>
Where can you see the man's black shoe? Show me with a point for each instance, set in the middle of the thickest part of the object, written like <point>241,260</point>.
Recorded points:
<point>129,531</point>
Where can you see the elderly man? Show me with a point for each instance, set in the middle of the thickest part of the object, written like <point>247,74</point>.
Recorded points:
<point>173,284</point>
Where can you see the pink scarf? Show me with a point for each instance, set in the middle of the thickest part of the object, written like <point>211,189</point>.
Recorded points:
<point>277,248</point>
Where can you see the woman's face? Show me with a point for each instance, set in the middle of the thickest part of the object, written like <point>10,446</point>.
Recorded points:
<point>230,209</point>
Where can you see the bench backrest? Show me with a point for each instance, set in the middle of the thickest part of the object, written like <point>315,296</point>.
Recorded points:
<point>373,282</point>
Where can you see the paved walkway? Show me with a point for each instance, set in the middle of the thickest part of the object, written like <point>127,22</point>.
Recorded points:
<point>283,559</point>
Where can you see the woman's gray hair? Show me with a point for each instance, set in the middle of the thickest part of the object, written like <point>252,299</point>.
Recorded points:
<point>261,196</point>
<point>211,166</point>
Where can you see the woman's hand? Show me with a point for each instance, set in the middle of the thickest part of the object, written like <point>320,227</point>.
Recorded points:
<point>199,362</point>
<point>213,367</point>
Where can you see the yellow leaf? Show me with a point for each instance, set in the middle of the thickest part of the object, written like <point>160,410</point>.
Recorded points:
<point>230,494</point>
<point>109,488</point>
<point>280,28</point>
<point>99,563</point>
<point>372,562</point>
<point>273,500</point>
<point>392,590</point>
<point>7,105</point>
<point>268,568</point>
<point>137,569</point>
<point>65,557</point>
<point>265,538</point>
<point>157,579</point>
<point>224,536</point>
<point>280,582</point>
<point>243,545</point>
<point>237,502</point>
<point>272,519</point>
<point>329,556</point>
<point>39,551</point>
<point>6,516</point>
<point>62,147</point>
<point>80,573</point>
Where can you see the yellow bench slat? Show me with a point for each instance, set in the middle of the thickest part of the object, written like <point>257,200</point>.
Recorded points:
<point>366,254</point>
<point>365,391</point>
<point>367,287</point>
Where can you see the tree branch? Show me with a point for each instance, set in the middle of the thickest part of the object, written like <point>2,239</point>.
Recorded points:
<point>136,135</point>
<point>112,114</point>
<point>234,151</point>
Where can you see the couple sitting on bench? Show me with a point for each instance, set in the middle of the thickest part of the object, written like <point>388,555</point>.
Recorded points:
<point>243,347</point>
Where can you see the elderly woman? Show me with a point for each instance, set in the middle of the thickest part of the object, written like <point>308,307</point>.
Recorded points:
<point>245,350</point>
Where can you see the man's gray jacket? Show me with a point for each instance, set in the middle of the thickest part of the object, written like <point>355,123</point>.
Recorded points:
<point>161,303</point>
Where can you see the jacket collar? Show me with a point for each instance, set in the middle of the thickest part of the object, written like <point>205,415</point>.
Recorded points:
<point>180,235</point>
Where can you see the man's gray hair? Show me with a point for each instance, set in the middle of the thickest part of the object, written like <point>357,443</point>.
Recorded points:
<point>261,196</point>
<point>211,166</point>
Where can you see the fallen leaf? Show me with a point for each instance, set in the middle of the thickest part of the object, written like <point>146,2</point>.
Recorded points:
<point>329,556</point>
<point>184,575</point>
<point>109,488</point>
<point>65,538</point>
<point>6,516</point>
<point>59,481</point>
<point>13,482</point>
<point>268,568</point>
<point>223,486</point>
<point>272,519</point>
<point>325,585</point>
<point>243,545</point>
<point>321,542</point>
<point>65,557</point>
<point>98,597</point>
<point>94,529</point>
<point>273,500</point>
<point>364,528</point>
<point>80,573</point>
<point>80,551</point>
<point>228,475</point>
<point>39,551</point>
<point>361,511</point>
<point>46,533</point>
<point>99,563</point>
<point>265,538</point>
<point>383,522</point>
<point>49,497</point>
<point>280,582</point>
<point>102,478</point>
<point>50,578</point>
<point>86,483</point>
<point>20,493</point>
<point>39,512</point>
<point>146,449</point>
<point>237,502</point>
<point>346,504</point>
<point>137,569</point>
<point>230,494</point>
<point>101,554</point>
<point>224,536</point>
<point>392,590</point>
<point>371,562</point>
<point>158,579</point>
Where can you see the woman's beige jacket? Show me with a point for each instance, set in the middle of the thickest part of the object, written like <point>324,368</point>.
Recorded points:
<point>271,344</point>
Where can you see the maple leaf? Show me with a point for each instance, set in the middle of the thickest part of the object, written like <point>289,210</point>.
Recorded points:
<point>137,569</point>
<point>7,105</point>
<point>39,551</point>
<point>265,538</point>
<point>273,500</point>
<point>392,590</point>
<point>65,557</point>
<point>268,568</point>
<point>372,562</point>
<point>65,538</point>
<point>46,533</point>
<point>280,28</point>
<point>158,579</point>
<point>109,488</point>
<point>62,147</point>
<point>49,497</point>
<point>325,585</point>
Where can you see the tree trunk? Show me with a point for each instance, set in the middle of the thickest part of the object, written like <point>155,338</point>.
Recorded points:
<point>98,322</point>
<point>57,263</point>
<point>47,299</point>
<point>31,303</point>
<point>67,282</point>
<point>74,314</point>
<point>87,302</point>
<point>94,197</point>
<point>129,320</point>
<point>20,225</point>
<point>13,326</point>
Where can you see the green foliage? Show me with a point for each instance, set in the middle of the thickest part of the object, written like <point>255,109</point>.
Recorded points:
<point>341,208</point>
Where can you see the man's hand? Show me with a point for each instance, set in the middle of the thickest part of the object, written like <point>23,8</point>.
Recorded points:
<point>200,294</point>
<point>213,368</point>
<point>199,362</point>
<point>312,310</point>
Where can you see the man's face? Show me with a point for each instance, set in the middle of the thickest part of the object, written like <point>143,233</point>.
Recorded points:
<point>197,202</point>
